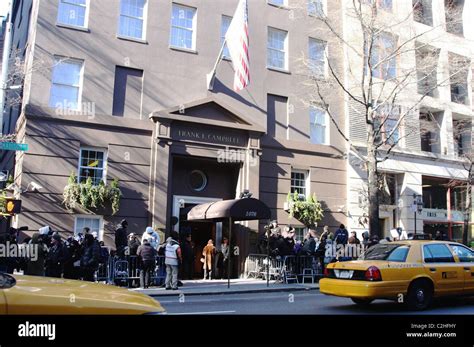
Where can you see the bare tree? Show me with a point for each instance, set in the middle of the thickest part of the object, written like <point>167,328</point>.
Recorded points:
<point>18,71</point>
<point>464,143</point>
<point>391,68</point>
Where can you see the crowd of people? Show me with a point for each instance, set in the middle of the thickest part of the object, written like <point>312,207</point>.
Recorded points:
<point>182,255</point>
<point>79,256</point>
<point>76,257</point>
<point>281,242</point>
<point>179,255</point>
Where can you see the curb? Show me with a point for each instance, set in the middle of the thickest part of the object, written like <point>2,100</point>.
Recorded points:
<point>244,291</point>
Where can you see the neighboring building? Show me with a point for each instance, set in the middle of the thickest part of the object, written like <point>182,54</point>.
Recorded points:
<point>424,162</point>
<point>99,70</point>
<point>3,22</point>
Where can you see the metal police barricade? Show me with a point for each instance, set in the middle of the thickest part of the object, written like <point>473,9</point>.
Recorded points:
<point>126,272</point>
<point>159,275</point>
<point>254,265</point>
<point>285,269</point>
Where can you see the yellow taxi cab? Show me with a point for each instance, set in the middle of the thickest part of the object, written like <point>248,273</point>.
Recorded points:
<point>30,295</point>
<point>412,272</point>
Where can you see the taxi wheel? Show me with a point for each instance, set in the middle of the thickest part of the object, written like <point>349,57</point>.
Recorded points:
<point>420,295</point>
<point>362,302</point>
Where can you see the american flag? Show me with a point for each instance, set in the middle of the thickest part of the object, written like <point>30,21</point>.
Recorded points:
<point>237,39</point>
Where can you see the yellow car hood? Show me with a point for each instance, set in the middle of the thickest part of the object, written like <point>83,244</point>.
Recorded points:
<point>44,295</point>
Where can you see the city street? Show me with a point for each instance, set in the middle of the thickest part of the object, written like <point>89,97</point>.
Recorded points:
<point>300,302</point>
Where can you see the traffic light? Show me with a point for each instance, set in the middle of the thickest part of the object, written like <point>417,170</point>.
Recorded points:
<point>10,207</point>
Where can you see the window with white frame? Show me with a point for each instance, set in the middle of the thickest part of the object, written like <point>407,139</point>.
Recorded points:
<point>73,12</point>
<point>386,124</point>
<point>299,182</point>
<point>318,120</point>
<point>277,49</point>
<point>183,27</point>
<point>385,5</point>
<point>300,233</point>
<point>94,223</point>
<point>132,20</point>
<point>92,164</point>
<point>317,8</point>
<point>66,83</point>
<point>225,23</point>
<point>317,57</point>
<point>383,59</point>
<point>278,2</point>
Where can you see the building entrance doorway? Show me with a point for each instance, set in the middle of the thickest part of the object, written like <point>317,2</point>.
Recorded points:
<point>201,233</point>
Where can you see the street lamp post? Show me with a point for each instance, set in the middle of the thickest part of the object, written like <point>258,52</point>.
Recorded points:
<point>417,205</point>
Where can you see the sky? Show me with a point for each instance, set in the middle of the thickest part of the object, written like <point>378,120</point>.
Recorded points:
<point>3,7</point>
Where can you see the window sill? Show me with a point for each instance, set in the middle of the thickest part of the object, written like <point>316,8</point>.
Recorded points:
<point>185,50</point>
<point>133,39</point>
<point>422,23</point>
<point>282,7</point>
<point>226,58</point>
<point>318,16</point>
<point>279,70</point>
<point>73,27</point>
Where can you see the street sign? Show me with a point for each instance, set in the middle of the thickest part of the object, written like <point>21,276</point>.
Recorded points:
<point>9,207</point>
<point>13,146</point>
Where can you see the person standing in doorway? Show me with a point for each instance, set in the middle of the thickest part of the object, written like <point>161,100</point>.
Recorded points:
<point>188,257</point>
<point>225,249</point>
<point>208,254</point>
<point>172,259</point>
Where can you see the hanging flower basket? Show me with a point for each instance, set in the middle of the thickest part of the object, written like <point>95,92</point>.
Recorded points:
<point>308,211</point>
<point>88,196</point>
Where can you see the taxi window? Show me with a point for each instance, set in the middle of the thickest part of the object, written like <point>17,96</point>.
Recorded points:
<point>399,254</point>
<point>437,254</point>
<point>386,251</point>
<point>464,254</point>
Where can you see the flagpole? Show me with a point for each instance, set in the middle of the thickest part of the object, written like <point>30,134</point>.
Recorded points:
<point>212,75</point>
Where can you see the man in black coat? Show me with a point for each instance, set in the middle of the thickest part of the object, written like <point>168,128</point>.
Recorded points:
<point>286,243</point>
<point>341,237</point>
<point>121,238</point>
<point>73,255</point>
<point>147,255</point>
<point>309,246</point>
<point>56,257</point>
<point>90,258</point>
<point>133,244</point>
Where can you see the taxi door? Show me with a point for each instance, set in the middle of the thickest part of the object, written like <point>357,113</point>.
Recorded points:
<point>447,274</point>
<point>466,261</point>
<point>3,303</point>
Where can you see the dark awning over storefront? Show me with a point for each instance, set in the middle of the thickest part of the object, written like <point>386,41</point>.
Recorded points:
<point>237,210</point>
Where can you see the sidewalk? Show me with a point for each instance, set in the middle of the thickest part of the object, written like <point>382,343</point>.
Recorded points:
<point>237,286</point>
